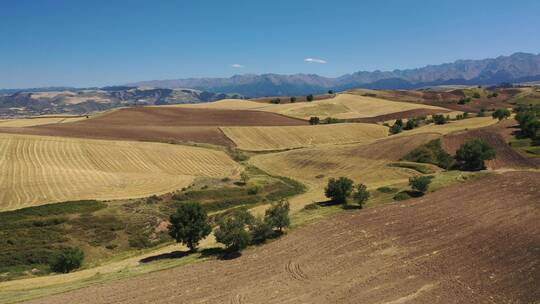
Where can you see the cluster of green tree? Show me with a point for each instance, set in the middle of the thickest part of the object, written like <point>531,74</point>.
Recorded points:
<point>275,101</point>
<point>340,189</point>
<point>464,100</point>
<point>493,95</point>
<point>528,118</point>
<point>440,119</point>
<point>190,224</point>
<point>476,95</point>
<point>501,114</point>
<point>411,123</point>
<point>470,156</point>
<point>309,97</point>
<point>314,120</point>
<point>465,115</point>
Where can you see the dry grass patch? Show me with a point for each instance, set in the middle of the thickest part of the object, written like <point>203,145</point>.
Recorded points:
<point>36,170</point>
<point>280,138</point>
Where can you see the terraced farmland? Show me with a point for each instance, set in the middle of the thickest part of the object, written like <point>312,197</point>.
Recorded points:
<point>280,138</point>
<point>37,170</point>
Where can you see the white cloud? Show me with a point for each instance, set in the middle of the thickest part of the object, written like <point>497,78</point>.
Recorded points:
<point>237,66</point>
<point>314,60</point>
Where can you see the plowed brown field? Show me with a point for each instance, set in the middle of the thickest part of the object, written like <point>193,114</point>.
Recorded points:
<point>161,124</point>
<point>495,135</point>
<point>471,243</point>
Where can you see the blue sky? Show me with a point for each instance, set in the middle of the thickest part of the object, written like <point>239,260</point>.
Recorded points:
<point>95,43</point>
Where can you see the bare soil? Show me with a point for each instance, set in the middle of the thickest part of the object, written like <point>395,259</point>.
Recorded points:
<point>399,115</point>
<point>477,242</point>
<point>164,124</point>
<point>497,136</point>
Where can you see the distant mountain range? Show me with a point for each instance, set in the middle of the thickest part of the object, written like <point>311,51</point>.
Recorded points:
<point>519,67</point>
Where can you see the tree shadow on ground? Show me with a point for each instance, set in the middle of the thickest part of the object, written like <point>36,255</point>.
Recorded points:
<point>165,256</point>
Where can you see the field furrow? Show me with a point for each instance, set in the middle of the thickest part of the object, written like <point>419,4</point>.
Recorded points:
<point>38,170</point>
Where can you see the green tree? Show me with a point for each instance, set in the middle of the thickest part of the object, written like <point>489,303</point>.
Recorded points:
<point>361,195</point>
<point>277,216</point>
<point>330,92</point>
<point>411,124</point>
<point>339,189</point>
<point>189,225</point>
<point>309,97</point>
<point>476,95</point>
<point>293,99</point>
<point>314,120</point>
<point>501,114</point>
<point>397,127</point>
<point>420,183</point>
<point>261,230</point>
<point>232,230</point>
<point>473,153</point>
<point>66,260</point>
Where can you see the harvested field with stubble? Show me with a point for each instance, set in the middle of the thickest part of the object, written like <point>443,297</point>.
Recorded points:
<point>37,170</point>
<point>346,106</point>
<point>281,138</point>
<point>161,124</point>
<point>476,242</point>
<point>365,163</point>
<point>37,121</point>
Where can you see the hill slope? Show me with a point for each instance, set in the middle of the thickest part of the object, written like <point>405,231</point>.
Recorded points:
<point>471,243</point>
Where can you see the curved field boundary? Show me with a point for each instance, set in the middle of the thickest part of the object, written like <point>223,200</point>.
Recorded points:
<point>281,138</point>
<point>161,124</point>
<point>346,106</point>
<point>37,170</point>
<point>342,106</point>
<point>453,126</point>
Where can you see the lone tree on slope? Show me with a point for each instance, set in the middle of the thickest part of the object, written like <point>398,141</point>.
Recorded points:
<point>189,225</point>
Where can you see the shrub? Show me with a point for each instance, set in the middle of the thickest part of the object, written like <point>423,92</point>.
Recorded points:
<point>431,153</point>
<point>66,260</point>
<point>420,183</point>
<point>309,98</point>
<point>232,231</point>
<point>275,101</point>
<point>253,190</point>
<point>501,114</point>
<point>293,99</point>
<point>387,189</point>
<point>361,195</point>
<point>189,225</point>
<point>473,153</point>
<point>339,189</point>
<point>314,120</point>
<point>401,196</point>
<point>476,95</point>
<point>330,92</point>
<point>439,119</point>
<point>277,216</point>
<point>331,120</point>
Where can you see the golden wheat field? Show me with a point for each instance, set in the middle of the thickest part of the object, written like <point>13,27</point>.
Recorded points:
<point>37,121</point>
<point>37,170</point>
<point>290,137</point>
<point>453,126</point>
<point>225,104</point>
<point>346,106</point>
